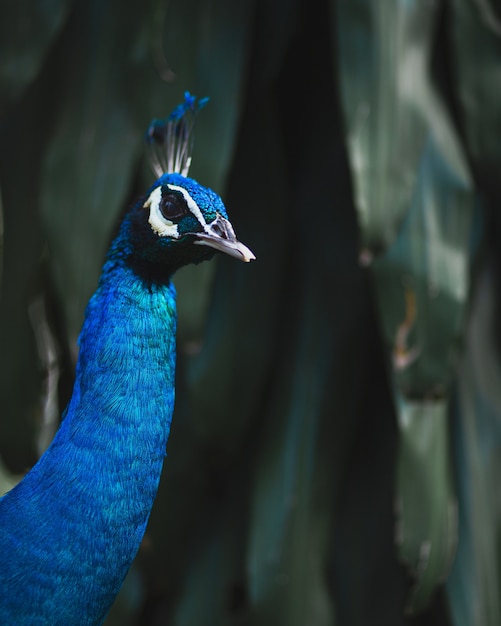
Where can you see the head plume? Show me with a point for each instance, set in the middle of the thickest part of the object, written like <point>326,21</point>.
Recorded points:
<point>170,141</point>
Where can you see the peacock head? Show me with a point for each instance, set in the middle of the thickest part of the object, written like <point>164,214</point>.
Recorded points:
<point>179,221</point>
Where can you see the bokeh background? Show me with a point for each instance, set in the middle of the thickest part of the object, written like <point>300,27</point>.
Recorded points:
<point>335,453</point>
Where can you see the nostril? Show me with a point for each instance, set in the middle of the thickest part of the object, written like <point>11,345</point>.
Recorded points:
<point>218,229</point>
<point>222,228</point>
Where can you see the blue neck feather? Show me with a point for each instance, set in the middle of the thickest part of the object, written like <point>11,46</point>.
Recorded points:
<point>101,472</point>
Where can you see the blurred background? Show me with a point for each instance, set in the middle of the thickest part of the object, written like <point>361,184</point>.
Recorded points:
<point>335,452</point>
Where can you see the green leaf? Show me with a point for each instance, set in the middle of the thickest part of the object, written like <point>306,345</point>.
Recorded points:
<point>422,281</point>
<point>89,162</point>
<point>23,135</point>
<point>416,205</point>
<point>476,44</point>
<point>27,30</point>
<point>475,582</point>
<point>427,507</point>
<point>390,105</point>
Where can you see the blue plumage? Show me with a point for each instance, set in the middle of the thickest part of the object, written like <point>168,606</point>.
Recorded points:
<point>71,528</point>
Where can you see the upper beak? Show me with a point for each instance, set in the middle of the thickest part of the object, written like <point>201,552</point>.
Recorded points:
<point>220,235</point>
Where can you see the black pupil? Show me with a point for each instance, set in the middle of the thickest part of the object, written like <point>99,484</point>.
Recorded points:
<point>173,206</point>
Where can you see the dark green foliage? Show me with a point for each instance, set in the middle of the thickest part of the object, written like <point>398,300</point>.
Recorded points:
<point>335,445</point>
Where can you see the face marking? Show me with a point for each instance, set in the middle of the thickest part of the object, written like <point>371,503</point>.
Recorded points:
<point>192,205</point>
<point>158,223</point>
<point>164,227</point>
<point>173,211</point>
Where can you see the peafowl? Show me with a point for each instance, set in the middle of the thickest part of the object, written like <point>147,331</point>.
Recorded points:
<point>71,528</point>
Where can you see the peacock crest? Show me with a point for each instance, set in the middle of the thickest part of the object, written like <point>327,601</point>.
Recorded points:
<point>170,141</point>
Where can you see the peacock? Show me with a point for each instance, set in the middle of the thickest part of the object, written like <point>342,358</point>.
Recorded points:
<point>71,528</point>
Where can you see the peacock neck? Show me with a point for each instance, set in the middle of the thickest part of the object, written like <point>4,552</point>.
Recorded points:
<point>102,470</point>
<point>150,272</point>
<point>126,364</point>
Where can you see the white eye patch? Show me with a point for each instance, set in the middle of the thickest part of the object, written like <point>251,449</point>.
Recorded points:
<point>158,223</point>
<point>164,227</point>
<point>192,205</point>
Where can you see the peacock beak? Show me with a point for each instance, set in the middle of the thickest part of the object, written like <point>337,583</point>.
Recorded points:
<point>220,235</point>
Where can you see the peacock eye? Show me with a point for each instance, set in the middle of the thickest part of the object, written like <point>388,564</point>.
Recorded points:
<point>173,206</point>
